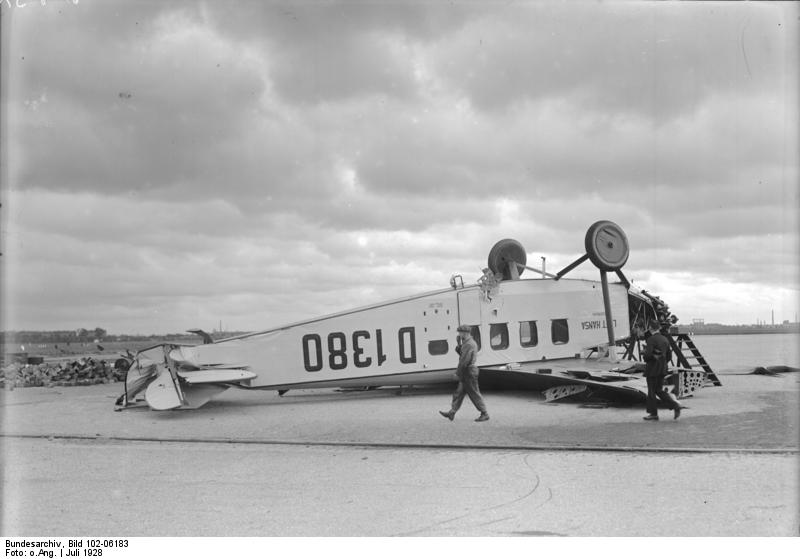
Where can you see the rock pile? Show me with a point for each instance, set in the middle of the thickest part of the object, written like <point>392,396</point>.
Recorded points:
<point>82,372</point>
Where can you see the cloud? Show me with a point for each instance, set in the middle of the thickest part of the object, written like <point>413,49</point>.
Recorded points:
<point>174,164</point>
<point>142,115</point>
<point>643,58</point>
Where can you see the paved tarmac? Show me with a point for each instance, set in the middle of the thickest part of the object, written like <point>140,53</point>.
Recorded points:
<point>379,463</point>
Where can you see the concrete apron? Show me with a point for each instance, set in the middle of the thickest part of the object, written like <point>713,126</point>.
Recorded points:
<point>328,463</point>
<point>748,413</point>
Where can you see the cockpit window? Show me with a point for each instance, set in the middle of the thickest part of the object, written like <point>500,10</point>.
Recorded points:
<point>498,336</point>
<point>528,334</point>
<point>559,331</point>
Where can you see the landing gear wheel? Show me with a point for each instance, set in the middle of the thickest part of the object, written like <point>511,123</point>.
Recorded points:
<point>503,252</point>
<point>607,246</point>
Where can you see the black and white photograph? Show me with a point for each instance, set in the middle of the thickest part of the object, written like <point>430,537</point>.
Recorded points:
<point>456,273</point>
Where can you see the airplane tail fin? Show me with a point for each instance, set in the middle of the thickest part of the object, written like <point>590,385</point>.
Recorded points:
<point>160,373</point>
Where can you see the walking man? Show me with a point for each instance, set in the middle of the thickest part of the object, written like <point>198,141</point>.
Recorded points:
<point>656,350</point>
<point>467,374</point>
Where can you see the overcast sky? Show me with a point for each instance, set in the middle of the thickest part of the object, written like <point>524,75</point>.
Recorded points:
<point>170,165</point>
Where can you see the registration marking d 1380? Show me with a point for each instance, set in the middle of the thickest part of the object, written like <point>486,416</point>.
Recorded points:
<point>339,354</point>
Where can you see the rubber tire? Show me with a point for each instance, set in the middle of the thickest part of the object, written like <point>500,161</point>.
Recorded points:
<point>613,253</point>
<point>506,251</point>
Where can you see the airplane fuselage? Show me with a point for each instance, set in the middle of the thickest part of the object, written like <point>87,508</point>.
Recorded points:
<point>413,340</point>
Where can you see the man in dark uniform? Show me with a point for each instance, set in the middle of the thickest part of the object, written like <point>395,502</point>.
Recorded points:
<point>467,374</point>
<point>656,350</point>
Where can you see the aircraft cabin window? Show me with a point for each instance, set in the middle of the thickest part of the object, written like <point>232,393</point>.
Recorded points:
<point>528,334</point>
<point>498,336</point>
<point>438,347</point>
<point>559,331</point>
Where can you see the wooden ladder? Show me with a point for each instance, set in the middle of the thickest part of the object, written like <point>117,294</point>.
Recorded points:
<point>688,354</point>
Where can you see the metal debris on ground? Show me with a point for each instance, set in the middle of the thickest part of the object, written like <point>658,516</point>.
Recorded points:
<point>774,371</point>
<point>688,382</point>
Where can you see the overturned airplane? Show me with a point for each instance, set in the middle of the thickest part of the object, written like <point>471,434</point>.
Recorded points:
<point>548,333</point>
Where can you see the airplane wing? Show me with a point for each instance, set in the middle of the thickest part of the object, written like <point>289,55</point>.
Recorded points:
<point>205,376</point>
<point>552,377</point>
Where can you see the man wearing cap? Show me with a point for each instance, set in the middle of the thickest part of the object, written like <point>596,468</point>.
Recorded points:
<point>467,374</point>
<point>655,354</point>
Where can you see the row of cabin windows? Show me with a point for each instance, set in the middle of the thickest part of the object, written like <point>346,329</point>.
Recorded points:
<point>499,336</point>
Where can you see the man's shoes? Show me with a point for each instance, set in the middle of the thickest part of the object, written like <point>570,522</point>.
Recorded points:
<point>483,417</point>
<point>448,414</point>
<point>677,412</point>
<point>650,418</point>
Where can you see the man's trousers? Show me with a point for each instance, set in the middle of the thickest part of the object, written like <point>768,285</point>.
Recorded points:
<point>656,392</point>
<point>468,386</point>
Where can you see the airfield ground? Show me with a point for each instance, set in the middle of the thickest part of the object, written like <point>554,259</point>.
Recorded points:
<point>379,463</point>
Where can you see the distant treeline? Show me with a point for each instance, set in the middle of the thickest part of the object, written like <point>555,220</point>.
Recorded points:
<point>784,328</point>
<point>83,335</point>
